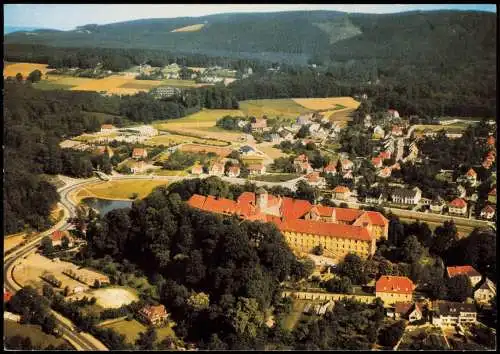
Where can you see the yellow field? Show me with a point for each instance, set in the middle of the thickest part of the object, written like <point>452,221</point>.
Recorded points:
<point>24,68</point>
<point>121,190</point>
<point>12,241</point>
<point>328,103</point>
<point>113,85</point>
<point>202,124</point>
<point>141,84</point>
<point>271,151</point>
<point>192,28</point>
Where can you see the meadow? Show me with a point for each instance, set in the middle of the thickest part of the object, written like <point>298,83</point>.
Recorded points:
<point>33,332</point>
<point>192,28</point>
<point>11,69</point>
<point>328,103</point>
<point>131,330</point>
<point>120,190</point>
<point>285,108</point>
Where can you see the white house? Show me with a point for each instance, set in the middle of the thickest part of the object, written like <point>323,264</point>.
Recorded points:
<point>217,169</point>
<point>488,212</point>
<point>406,196</point>
<point>446,313</point>
<point>458,206</point>
<point>378,132</point>
<point>485,292</point>
<point>11,316</point>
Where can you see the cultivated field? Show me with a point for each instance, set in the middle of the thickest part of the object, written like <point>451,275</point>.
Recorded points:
<point>24,68</point>
<point>33,332</point>
<point>120,190</point>
<point>285,108</point>
<point>192,28</point>
<point>202,125</point>
<point>112,297</point>
<point>175,139</point>
<point>221,151</point>
<point>115,84</point>
<point>272,152</point>
<point>328,103</point>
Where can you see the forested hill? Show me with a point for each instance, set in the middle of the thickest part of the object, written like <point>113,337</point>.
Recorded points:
<point>442,36</point>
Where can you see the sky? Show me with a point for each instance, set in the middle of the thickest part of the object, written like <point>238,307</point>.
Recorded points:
<point>69,16</point>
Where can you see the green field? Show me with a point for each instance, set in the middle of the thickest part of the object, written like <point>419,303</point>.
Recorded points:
<point>33,332</point>
<point>285,108</point>
<point>51,85</point>
<point>178,83</point>
<point>205,115</point>
<point>131,330</point>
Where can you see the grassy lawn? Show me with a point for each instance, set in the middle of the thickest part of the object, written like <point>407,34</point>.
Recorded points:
<point>293,318</point>
<point>170,173</point>
<point>130,329</point>
<point>279,177</point>
<point>285,108</point>
<point>33,332</point>
<point>328,103</point>
<point>120,189</point>
<point>205,115</point>
<point>178,83</point>
<point>252,159</point>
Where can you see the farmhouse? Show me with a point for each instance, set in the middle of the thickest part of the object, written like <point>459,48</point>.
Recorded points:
<point>406,196</point>
<point>314,179</point>
<point>139,153</point>
<point>305,226</point>
<point>457,206</point>
<point>488,212</point>
<point>259,125</point>
<point>408,311</point>
<point>485,292</point>
<point>446,313</point>
<point>197,170</point>
<point>392,289</point>
<point>153,315</point>
<point>330,169</point>
<point>87,277</point>
<point>469,271</point>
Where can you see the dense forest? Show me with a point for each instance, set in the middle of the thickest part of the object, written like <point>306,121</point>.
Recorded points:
<point>36,121</point>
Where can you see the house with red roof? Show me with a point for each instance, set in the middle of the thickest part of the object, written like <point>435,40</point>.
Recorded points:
<point>153,315</point>
<point>259,125</point>
<point>407,310</point>
<point>256,169</point>
<point>197,170</point>
<point>376,223</point>
<point>7,295</point>
<point>315,180</point>
<point>341,193</point>
<point>377,162</point>
<point>330,169</point>
<point>492,196</point>
<point>107,128</point>
<point>471,176</point>
<point>393,113</point>
<point>303,167</point>
<point>469,271</point>
<point>139,153</point>
<point>385,172</point>
<point>233,171</point>
<point>347,165</point>
<point>491,141</point>
<point>385,155</point>
<point>397,130</point>
<point>488,212</point>
<point>57,237</point>
<point>485,292</point>
<point>393,289</point>
<point>457,206</point>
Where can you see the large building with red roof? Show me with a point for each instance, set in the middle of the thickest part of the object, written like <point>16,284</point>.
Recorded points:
<point>392,289</point>
<point>473,275</point>
<point>305,226</point>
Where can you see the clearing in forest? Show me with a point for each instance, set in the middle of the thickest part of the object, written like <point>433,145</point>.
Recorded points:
<point>24,68</point>
<point>328,103</point>
<point>285,108</point>
<point>192,28</point>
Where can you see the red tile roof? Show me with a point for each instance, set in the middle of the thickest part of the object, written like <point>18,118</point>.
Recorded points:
<point>330,168</point>
<point>197,201</point>
<point>313,177</point>
<point>107,126</point>
<point>301,158</point>
<point>462,270</point>
<point>341,189</point>
<point>138,152</point>
<point>376,161</point>
<point>491,140</point>
<point>347,215</point>
<point>323,228</point>
<point>294,208</point>
<point>394,284</point>
<point>402,307</point>
<point>7,295</point>
<point>57,235</point>
<point>376,218</point>
<point>324,210</point>
<point>488,209</point>
<point>458,203</point>
<point>385,155</point>
<point>471,173</point>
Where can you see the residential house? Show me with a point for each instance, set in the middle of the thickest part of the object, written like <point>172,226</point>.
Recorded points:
<point>314,179</point>
<point>446,313</point>
<point>409,311</point>
<point>154,315</point>
<point>367,121</point>
<point>57,237</point>
<point>313,128</point>
<point>437,205</point>
<point>397,130</point>
<point>392,289</point>
<point>304,119</point>
<point>378,132</point>
<point>347,165</point>
<point>375,198</point>
<point>303,167</point>
<point>286,135</point>
<point>492,196</point>
<point>461,191</point>
<point>385,172</point>
<point>247,150</point>
<point>330,169</point>
<point>377,162</point>
<point>488,212</point>
<point>348,175</point>
<point>341,193</point>
<point>256,169</point>
<point>165,91</point>
<point>491,141</point>
<point>275,138</point>
<point>485,292</point>
<point>137,166</point>
<point>406,196</point>
<point>259,125</point>
<point>458,206</point>
<point>197,170</point>
<point>217,169</point>
<point>473,275</point>
<point>139,153</point>
<point>385,154</point>
<point>233,171</point>
<point>471,176</point>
